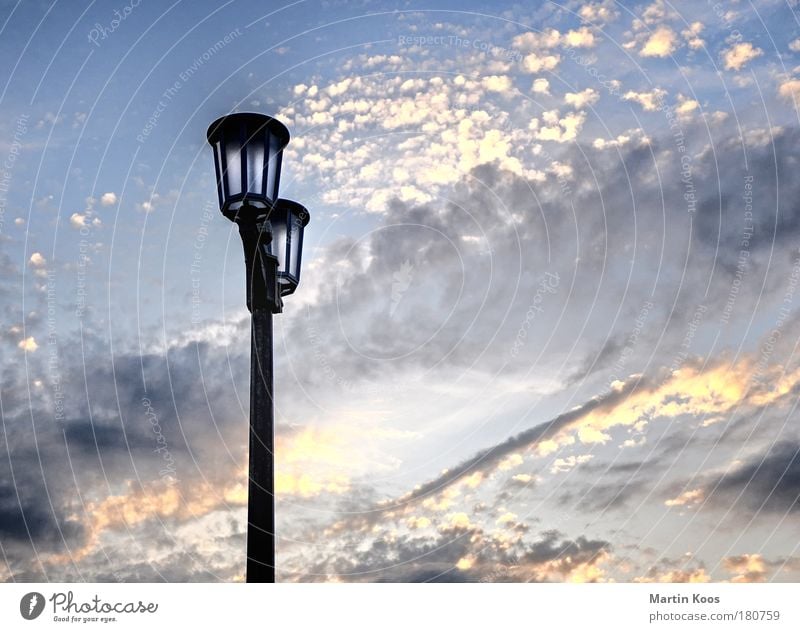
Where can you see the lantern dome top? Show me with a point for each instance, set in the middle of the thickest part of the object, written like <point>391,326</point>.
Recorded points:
<point>248,151</point>
<point>251,120</point>
<point>296,209</point>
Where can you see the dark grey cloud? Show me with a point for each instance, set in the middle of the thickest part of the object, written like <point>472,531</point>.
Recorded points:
<point>108,443</point>
<point>769,483</point>
<point>433,558</point>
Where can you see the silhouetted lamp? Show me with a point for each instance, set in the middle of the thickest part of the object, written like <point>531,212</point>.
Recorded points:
<point>248,149</point>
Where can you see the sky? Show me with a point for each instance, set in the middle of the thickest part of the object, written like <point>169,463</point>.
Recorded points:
<point>547,328</point>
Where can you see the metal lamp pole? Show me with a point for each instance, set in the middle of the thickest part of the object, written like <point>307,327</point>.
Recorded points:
<point>247,160</point>
<point>263,299</point>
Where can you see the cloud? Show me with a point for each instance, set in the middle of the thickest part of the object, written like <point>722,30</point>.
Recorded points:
<point>660,44</point>
<point>541,86</point>
<point>737,56</point>
<point>746,568</point>
<point>460,552</point>
<point>794,45</point>
<point>108,199</point>
<point>28,344</point>
<point>531,41</point>
<point>684,570</point>
<point>534,62</point>
<point>650,101</point>
<point>789,89</point>
<point>37,260</point>
<point>687,498</point>
<point>686,105</point>
<point>562,130</point>
<point>580,100</point>
<point>692,35</point>
<point>497,83</point>
<point>566,464</point>
<point>599,12</point>
<point>754,567</point>
<point>580,38</point>
<point>766,483</point>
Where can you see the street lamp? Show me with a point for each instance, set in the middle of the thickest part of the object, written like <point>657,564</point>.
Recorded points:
<point>248,149</point>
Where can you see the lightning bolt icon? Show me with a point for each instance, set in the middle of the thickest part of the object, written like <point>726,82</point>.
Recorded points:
<point>32,605</point>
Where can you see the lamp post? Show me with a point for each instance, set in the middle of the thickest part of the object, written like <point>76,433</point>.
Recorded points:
<point>248,150</point>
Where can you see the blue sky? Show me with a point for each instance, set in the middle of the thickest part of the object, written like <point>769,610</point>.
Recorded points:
<point>547,323</point>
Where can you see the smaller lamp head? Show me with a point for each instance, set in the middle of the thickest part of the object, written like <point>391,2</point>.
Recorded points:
<point>288,219</point>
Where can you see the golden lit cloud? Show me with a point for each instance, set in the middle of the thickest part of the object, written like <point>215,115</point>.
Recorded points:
<point>28,344</point>
<point>738,55</point>
<point>660,44</point>
<point>746,568</point>
<point>687,498</point>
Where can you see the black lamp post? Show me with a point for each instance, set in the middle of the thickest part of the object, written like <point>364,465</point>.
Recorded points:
<point>248,149</point>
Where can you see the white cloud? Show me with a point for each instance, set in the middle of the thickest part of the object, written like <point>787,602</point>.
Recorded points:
<point>19,221</point>
<point>108,199</point>
<point>565,130</point>
<point>660,44</point>
<point>650,101</point>
<point>654,14</point>
<point>738,55</point>
<point>580,38</point>
<point>541,86</point>
<point>686,105</point>
<point>531,42</point>
<point>794,45</point>
<point>28,344</point>
<point>497,83</point>
<point>790,89</point>
<point>537,63</point>
<point>37,260</point>
<point>599,11</point>
<point>621,140</point>
<point>692,35</point>
<point>78,220</point>
<point>579,100</point>
<point>566,464</point>
<point>718,117</point>
<point>335,89</point>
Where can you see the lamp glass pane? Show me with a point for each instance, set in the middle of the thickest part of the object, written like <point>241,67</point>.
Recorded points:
<point>233,159</point>
<point>278,245</point>
<point>294,247</point>
<point>255,162</point>
<point>272,166</point>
